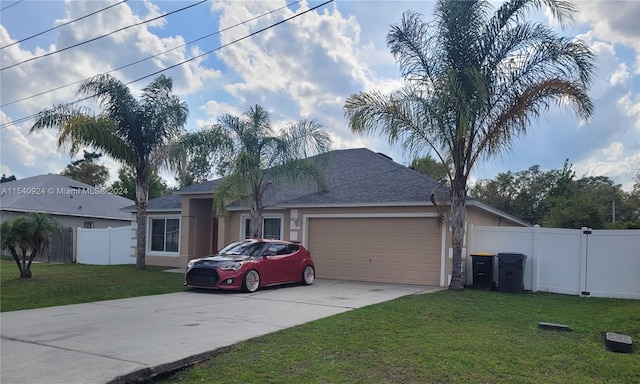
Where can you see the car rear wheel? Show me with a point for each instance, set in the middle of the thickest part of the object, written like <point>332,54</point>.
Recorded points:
<point>308,275</point>
<point>251,281</point>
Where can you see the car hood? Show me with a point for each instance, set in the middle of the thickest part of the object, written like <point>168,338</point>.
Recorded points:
<point>216,261</point>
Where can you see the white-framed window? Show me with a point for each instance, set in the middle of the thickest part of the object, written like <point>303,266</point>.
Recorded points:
<point>272,226</point>
<point>164,235</point>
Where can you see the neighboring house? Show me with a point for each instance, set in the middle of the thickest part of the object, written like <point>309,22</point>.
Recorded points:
<point>71,203</point>
<point>376,222</point>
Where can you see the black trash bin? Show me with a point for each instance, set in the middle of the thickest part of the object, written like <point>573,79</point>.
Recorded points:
<point>511,272</point>
<point>482,267</point>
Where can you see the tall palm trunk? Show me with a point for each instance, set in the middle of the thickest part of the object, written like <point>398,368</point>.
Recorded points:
<point>255,214</point>
<point>142,197</point>
<point>255,220</point>
<point>458,218</point>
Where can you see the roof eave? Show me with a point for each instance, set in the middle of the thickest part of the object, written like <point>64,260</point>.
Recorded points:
<point>345,205</point>
<point>66,214</point>
<point>497,212</point>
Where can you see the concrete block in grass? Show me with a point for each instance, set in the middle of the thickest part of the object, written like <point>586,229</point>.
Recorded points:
<point>557,327</point>
<point>617,342</point>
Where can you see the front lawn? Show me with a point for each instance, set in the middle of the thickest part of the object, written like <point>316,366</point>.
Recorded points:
<point>61,284</point>
<point>443,337</point>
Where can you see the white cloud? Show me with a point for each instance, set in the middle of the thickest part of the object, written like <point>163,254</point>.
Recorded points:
<point>25,155</point>
<point>621,76</point>
<point>615,21</point>
<point>304,68</point>
<point>311,58</point>
<point>630,106</point>
<point>613,161</point>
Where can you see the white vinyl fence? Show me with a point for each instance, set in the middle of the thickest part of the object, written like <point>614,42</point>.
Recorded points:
<point>105,246</point>
<point>600,263</point>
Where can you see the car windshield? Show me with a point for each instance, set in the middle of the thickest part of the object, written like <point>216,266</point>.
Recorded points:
<point>245,248</point>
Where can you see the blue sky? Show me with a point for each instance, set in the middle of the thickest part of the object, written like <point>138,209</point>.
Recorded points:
<point>302,69</point>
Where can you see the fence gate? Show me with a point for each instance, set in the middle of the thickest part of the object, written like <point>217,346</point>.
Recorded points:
<point>612,264</point>
<point>60,249</point>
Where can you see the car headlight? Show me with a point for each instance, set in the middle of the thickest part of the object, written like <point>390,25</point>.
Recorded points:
<point>191,263</point>
<point>231,267</point>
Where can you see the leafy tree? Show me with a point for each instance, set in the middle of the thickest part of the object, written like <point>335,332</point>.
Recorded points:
<point>139,133</point>
<point>87,171</point>
<point>126,183</point>
<point>6,179</point>
<point>195,166</point>
<point>429,167</point>
<point>253,157</point>
<point>635,190</point>
<point>524,194</point>
<point>556,199</point>
<point>473,81</point>
<point>589,203</point>
<point>631,207</point>
<point>29,233</point>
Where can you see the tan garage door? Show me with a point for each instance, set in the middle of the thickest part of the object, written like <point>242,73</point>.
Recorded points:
<point>394,250</point>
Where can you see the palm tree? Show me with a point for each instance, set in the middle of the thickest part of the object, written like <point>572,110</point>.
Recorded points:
<point>31,234</point>
<point>253,156</point>
<point>139,133</point>
<point>473,82</point>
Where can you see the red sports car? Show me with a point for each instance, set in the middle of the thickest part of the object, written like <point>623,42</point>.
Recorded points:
<point>251,264</point>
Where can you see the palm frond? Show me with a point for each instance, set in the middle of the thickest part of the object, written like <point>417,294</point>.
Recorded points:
<point>232,188</point>
<point>57,116</point>
<point>305,139</point>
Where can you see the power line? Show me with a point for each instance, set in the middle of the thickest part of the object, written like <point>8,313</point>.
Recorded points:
<point>11,5</point>
<point>61,25</point>
<point>105,35</point>
<point>233,42</point>
<point>26,118</point>
<point>153,56</point>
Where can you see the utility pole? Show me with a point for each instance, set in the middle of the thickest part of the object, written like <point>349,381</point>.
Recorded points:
<point>613,206</point>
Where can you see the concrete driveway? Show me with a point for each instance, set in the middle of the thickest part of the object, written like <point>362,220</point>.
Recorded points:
<point>118,341</point>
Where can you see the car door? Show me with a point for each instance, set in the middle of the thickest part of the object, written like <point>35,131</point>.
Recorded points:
<point>280,265</point>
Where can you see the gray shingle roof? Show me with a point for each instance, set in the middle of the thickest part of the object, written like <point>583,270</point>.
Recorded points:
<point>360,176</point>
<point>354,176</point>
<point>166,203</point>
<point>56,194</point>
<point>207,186</point>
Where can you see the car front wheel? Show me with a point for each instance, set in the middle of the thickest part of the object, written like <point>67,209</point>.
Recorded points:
<point>308,275</point>
<point>251,281</point>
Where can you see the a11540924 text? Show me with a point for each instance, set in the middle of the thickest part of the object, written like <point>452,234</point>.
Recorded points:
<point>62,191</point>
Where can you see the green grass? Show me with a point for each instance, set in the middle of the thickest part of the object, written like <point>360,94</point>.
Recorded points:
<point>443,337</point>
<point>61,284</point>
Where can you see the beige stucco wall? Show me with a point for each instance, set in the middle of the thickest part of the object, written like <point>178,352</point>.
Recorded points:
<point>231,230</point>
<point>197,239</point>
<point>196,227</point>
<point>475,216</point>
